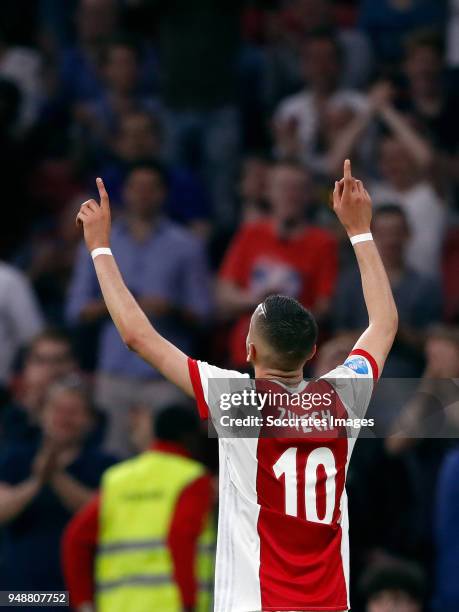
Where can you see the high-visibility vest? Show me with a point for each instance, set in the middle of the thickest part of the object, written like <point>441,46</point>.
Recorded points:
<point>134,568</point>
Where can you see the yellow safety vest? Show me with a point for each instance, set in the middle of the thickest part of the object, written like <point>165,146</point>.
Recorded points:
<point>134,568</point>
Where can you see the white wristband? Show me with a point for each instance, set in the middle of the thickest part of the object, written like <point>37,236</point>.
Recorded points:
<point>361,238</point>
<point>101,251</point>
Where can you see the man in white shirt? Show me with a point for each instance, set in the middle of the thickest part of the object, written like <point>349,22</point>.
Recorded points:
<point>20,316</point>
<point>297,119</point>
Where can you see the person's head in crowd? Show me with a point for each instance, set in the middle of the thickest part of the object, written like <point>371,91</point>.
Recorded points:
<point>442,352</point>
<point>253,187</point>
<point>393,586</point>
<point>49,356</point>
<point>333,352</point>
<point>67,417</point>
<point>424,63</point>
<point>138,137</point>
<point>321,61</point>
<point>310,15</point>
<point>177,424</point>
<point>391,233</point>
<point>396,164</point>
<point>289,193</point>
<point>140,427</point>
<point>96,20</point>
<point>145,190</point>
<point>121,66</point>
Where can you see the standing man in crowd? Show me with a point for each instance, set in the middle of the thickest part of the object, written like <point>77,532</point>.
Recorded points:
<point>149,531</point>
<point>165,268</point>
<point>284,254</point>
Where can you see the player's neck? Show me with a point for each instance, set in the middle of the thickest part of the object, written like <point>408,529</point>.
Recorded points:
<point>291,378</point>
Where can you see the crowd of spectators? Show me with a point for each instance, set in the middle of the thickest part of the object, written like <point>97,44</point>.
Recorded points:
<point>219,129</point>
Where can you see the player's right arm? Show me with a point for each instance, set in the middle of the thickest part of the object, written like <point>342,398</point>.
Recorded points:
<point>352,204</point>
<point>133,325</point>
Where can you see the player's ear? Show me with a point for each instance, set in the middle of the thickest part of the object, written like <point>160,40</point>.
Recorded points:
<point>312,353</point>
<point>251,352</point>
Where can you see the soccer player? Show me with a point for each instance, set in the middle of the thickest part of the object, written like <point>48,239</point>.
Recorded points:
<point>283,533</point>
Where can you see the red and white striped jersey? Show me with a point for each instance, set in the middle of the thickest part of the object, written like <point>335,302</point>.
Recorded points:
<point>283,520</point>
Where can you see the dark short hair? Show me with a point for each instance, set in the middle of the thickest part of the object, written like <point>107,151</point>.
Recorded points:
<point>289,328</point>
<point>432,39</point>
<point>153,166</point>
<point>50,334</point>
<point>174,422</point>
<point>390,209</point>
<point>328,34</point>
<point>393,575</point>
<point>122,40</point>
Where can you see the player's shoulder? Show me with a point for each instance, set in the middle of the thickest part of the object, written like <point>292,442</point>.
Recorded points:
<point>208,370</point>
<point>359,364</point>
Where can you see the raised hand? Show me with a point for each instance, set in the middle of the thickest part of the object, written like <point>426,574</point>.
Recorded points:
<point>352,203</point>
<point>96,219</point>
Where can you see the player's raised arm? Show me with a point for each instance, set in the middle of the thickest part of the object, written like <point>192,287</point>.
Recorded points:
<point>352,204</point>
<point>133,325</point>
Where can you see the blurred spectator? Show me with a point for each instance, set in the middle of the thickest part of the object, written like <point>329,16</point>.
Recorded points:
<point>404,184</point>
<point>198,47</point>
<point>138,138</point>
<point>287,30</point>
<point>424,430</point>
<point>79,70</point>
<point>165,268</point>
<point>100,115</point>
<point>48,358</point>
<point>387,22</point>
<point>48,258</point>
<point>23,67</point>
<point>170,531</point>
<point>41,486</point>
<point>281,255</point>
<point>20,316</point>
<point>418,297</point>
<point>432,104</point>
<point>433,411</point>
<point>298,118</point>
<point>447,535</point>
<point>253,189</point>
<point>345,132</point>
<point>393,586</point>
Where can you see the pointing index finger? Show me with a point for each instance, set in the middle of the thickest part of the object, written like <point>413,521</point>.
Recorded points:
<point>102,193</point>
<point>347,170</point>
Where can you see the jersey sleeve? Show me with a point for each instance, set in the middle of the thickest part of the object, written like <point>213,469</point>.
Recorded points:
<point>201,373</point>
<point>354,381</point>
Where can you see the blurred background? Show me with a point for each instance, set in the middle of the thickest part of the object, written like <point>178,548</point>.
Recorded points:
<point>219,129</point>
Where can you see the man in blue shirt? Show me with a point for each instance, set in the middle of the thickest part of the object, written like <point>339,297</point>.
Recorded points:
<point>166,269</point>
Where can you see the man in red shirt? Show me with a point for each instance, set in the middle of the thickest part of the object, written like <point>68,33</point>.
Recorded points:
<point>283,255</point>
<point>176,431</point>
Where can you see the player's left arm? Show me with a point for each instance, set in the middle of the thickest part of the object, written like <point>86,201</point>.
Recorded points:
<point>135,329</point>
